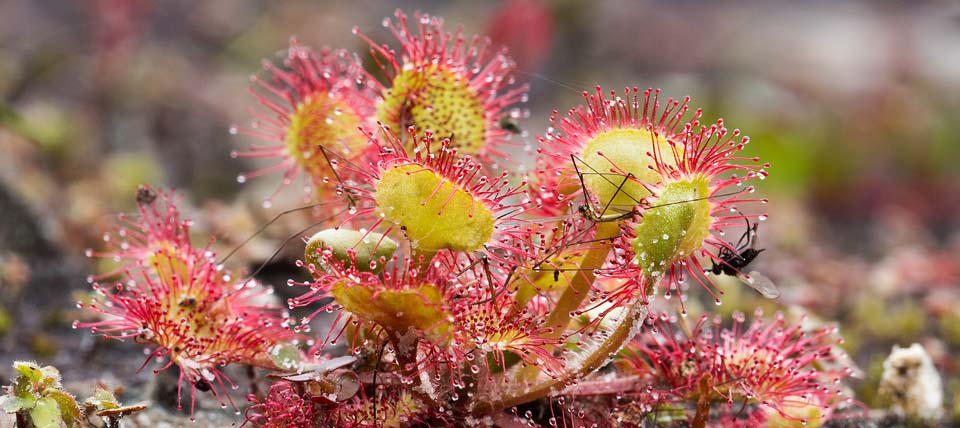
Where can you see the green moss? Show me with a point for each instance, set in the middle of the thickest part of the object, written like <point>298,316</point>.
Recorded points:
<point>44,346</point>
<point>124,171</point>
<point>867,390</point>
<point>949,324</point>
<point>5,321</point>
<point>904,321</point>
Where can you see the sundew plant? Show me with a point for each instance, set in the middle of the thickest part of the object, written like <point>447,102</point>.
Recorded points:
<point>456,286</point>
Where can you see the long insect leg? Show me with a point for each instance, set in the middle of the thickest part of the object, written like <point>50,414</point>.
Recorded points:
<point>350,199</point>
<point>580,175</point>
<point>746,235</point>
<point>494,293</point>
<point>264,227</point>
<point>587,212</point>
<point>287,241</point>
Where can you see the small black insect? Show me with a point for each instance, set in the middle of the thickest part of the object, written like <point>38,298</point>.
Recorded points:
<point>510,126</point>
<point>202,385</point>
<point>145,195</point>
<point>732,262</point>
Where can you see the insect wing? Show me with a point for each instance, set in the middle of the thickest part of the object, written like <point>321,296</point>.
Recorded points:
<point>761,283</point>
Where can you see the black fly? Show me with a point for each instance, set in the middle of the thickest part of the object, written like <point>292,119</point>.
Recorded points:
<point>510,126</point>
<point>733,261</point>
<point>145,195</point>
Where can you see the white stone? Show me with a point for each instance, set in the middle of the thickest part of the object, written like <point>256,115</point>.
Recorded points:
<point>912,384</point>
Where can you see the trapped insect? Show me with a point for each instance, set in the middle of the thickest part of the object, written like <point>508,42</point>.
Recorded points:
<point>510,126</point>
<point>732,262</point>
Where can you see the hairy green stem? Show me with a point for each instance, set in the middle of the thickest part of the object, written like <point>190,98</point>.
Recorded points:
<point>576,291</point>
<point>624,330</point>
<point>703,403</point>
<point>579,287</point>
<point>405,351</point>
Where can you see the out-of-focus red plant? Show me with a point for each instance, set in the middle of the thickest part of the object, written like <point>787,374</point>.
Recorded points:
<point>773,365</point>
<point>177,297</point>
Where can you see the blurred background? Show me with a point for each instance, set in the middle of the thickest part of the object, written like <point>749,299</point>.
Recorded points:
<point>856,105</point>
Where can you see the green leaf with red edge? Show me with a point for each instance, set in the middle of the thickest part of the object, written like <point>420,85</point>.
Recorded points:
<point>674,230</point>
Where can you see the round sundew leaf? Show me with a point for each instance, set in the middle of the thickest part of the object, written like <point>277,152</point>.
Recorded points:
<point>674,227</point>
<point>46,414</point>
<point>367,247</point>
<point>625,148</point>
<point>168,265</point>
<point>419,308</point>
<point>435,213</point>
<point>323,120</point>
<point>436,99</point>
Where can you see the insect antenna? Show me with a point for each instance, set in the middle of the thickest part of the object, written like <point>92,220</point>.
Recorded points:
<point>340,184</point>
<point>696,199</point>
<point>550,80</point>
